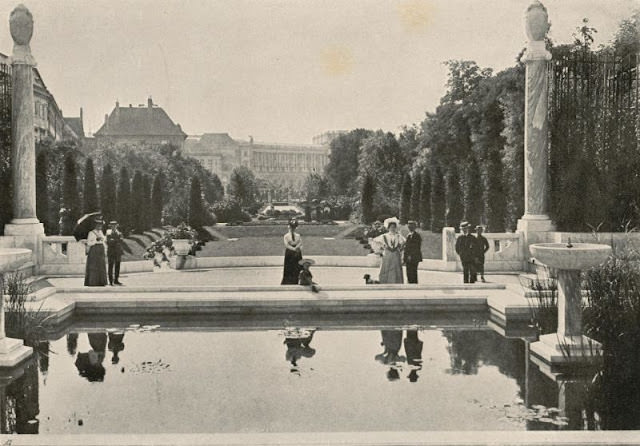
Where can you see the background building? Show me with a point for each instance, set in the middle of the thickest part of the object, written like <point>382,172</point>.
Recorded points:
<point>48,120</point>
<point>328,136</point>
<point>142,124</point>
<point>278,166</point>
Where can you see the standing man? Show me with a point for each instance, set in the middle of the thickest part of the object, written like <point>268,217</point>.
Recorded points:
<point>482,246</point>
<point>114,252</point>
<point>412,253</point>
<point>466,249</point>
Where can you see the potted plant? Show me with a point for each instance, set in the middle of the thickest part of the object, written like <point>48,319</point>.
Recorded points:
<point>180,241</point>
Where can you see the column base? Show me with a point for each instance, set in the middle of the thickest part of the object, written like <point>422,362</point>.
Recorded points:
<point>13,351</point>
<point>535,223</point>
<point>555,354</point>
<point>26,233</point>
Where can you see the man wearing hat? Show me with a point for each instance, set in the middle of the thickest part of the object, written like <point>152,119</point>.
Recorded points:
<point>412,252</point>
<point>114,252</point>
<point>466,249</point>
<point>482,246</point>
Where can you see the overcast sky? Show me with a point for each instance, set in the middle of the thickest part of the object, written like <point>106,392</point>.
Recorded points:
<point>282,71</point>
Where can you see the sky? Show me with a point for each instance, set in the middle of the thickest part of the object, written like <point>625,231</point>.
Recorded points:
<point>280,70</point>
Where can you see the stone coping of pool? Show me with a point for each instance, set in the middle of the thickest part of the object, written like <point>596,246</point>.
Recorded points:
<point>435,438</point>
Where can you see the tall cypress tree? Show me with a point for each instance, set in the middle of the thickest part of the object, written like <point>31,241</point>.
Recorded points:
<point>425,200</point>
<point>416,190</point>
<point>473,193</point>
<point>70,196</point>
<point>157,200</point>
<point>108,194</point>
<point>124,201</point>
<point>146,215</point>
<point>454,207</point>
<point>367,193</point>
<point>196,205</point>
<point>137,203</point>
<point>90,195</point>
<point>438,205</point>
<point>42,197</point>
<point>496,196</point>
<point>405,199</point>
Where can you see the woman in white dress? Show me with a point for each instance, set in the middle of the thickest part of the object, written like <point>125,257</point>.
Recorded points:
<point>390,246</point>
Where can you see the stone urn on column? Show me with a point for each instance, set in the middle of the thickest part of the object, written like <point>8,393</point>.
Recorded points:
<point>569,346</point>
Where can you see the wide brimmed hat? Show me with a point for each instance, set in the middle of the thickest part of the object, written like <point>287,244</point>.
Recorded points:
<point>480,227</point>
<point>98,221</point>
<point>391,220</point>
<point>412,222</point>
<point>309,261</point>
<point>113,222</point>
<point>464,224</point>
<point>293,222</point>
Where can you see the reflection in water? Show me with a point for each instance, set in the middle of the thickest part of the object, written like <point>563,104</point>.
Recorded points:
<point>89,364</point>
<point>19,399</point>
<point>72,343</point>
<point>413,350</point>
<point>116,345</point>
<point>298,342</point>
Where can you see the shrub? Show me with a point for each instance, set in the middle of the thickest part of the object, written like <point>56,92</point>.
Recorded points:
<point>227,211</point>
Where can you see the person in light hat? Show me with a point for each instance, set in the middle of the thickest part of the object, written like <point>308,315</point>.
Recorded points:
<point>96,268</point>
<point>390,247</point>
<point>466,249</point>
<point>412,252</point>
<point>114,252</point>
<point>482,246</point>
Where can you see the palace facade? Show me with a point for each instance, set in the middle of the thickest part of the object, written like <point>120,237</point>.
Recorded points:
<point>276,165</point>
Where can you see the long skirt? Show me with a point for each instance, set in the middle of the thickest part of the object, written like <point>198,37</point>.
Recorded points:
<point>291,267</point>
<point>96,269</point>
<point>391,268</point>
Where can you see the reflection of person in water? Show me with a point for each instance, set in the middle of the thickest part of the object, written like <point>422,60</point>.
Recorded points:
<point>72,343</point>
<point>298,346</point>
<point>89,364</point>
<point>116,346</point>
<point>413,350</point>
<point>391,341</point>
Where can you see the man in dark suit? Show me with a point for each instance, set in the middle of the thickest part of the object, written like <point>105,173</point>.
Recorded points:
<point>482,246</point>
<point>114,252</point>
<point>466,249</point>
<point>412,253</point>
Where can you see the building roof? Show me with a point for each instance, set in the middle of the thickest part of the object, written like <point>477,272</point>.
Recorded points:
<point>139,121</point>
<point>76,125</point>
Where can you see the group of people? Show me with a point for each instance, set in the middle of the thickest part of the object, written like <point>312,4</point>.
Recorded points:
<point>471,250</point>
<point>97,244</point>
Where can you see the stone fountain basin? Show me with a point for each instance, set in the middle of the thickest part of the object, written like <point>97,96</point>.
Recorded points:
<point>13,258</point>
<point>579,257</point>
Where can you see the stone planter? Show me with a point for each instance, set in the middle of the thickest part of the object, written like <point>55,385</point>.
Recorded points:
<point>182,246</point>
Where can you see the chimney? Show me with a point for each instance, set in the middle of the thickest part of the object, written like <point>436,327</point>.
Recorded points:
<point>106,122</point>
<point>149,102</point>
<point>117,104</point>
<point>80,114</point>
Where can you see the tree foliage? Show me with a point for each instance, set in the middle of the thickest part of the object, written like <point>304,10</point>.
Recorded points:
<point>108,194</point>
<point>242,186</point>
<point>124,201</point>
<point>42,195</point>
<point>157,200</point>
<point>367,193</point>
<point>342,168</point>
<point>70,194</point>
<point>405,200</point>
<point>90,194</point>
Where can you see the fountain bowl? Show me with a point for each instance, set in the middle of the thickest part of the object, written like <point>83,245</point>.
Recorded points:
<point>578,257</point>
<point>13,258</point>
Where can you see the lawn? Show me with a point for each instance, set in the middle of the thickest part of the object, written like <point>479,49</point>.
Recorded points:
<point>266,240</point>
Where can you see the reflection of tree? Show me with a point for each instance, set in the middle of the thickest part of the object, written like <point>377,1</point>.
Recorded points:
<point>468,349</point>
<point>20,405</point>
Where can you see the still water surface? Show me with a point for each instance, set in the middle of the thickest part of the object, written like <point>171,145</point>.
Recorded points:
<point>151,381</point>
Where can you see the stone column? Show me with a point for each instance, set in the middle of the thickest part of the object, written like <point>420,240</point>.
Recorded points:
<point>569,304</point>
<point>25,227</point>
<point>535,223</point>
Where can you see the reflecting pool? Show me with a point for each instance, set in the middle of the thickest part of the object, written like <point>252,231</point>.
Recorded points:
<point>151,379</point>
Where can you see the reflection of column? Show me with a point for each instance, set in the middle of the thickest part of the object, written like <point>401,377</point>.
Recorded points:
<point>569,303</point>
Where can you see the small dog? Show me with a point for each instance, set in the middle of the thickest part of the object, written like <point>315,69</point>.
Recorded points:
<point>369,281</point>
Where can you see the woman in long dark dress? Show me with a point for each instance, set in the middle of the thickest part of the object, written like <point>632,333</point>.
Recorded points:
<point>96,269</point>
<point>292,255</point>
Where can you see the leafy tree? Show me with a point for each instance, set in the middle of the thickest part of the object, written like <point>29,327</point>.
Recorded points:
<point>124,201</point>
<point>70,195</point>
<point>146,215</point>
<point>108,194</point>
<point>473,196</point>
<point>213,189</point>
<point>454,208</point>
<point>90,195</point>
<point>342,168</point>
<point>242,186</point>
<point>405,200</point>
<point>438,203</point>
<point>424,216</point>
<point>137,203</point>
<point>196,205</point>
<point>416,190</point>
<point>316,187</point>
<point>157,200</point>
<point>496,194</point>
<point>366,199</point>
<point>382,160</point>
<point>42,196</point>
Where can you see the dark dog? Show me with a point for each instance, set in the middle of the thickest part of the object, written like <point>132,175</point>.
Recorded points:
<point>368,280</point>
